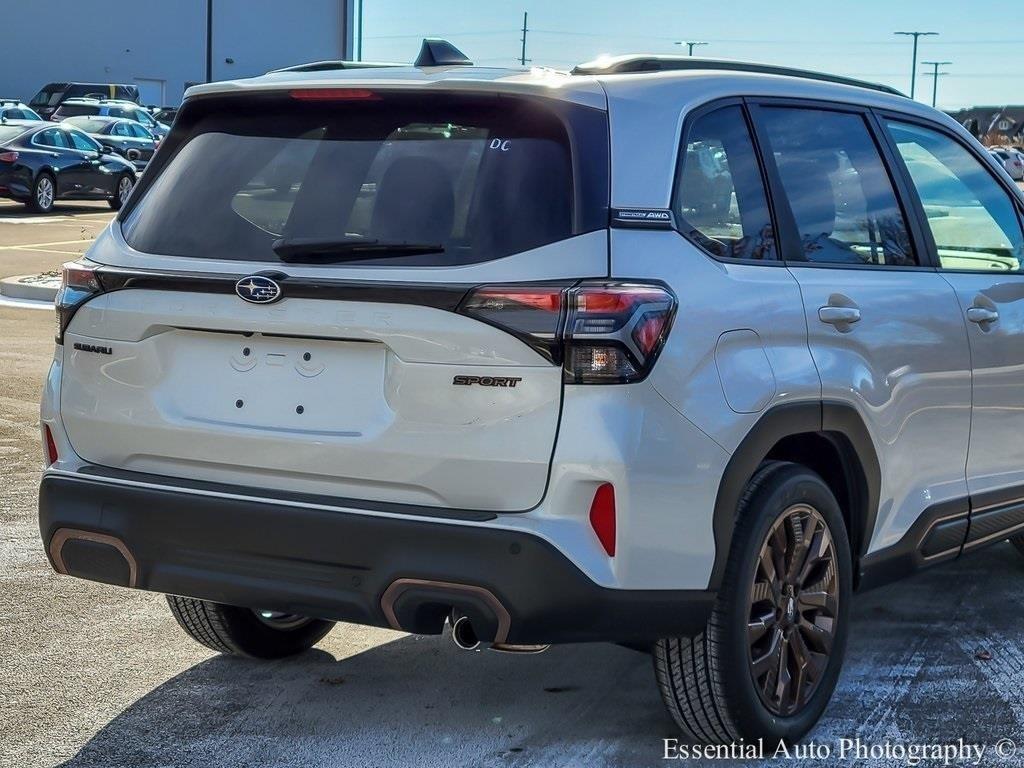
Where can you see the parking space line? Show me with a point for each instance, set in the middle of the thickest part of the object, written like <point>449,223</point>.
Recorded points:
<point>48,250</point>
<point>30,246</point>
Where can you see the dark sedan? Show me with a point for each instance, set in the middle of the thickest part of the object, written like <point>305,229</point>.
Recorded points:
<point>41,163</point>
<point>127,138</point>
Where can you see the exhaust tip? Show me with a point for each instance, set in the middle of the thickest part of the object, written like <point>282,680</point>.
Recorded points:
<point>463,635</point>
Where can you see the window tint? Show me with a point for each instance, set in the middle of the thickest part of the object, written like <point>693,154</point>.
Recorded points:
<point>52,137</point>
<point>139,132</point>
<point>80,141</point>
<point>479,176</point>
<point>14,114</point>
<point>971,216</point>
<point>720,200</point>
<point>838,188</point>
<point>74,110</point>
<point>121,129</point>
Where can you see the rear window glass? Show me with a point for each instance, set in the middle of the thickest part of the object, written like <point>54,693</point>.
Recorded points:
<point>76,110</point>
<point>8,132</point>
<point>475,178</point>
<point>87,125</point>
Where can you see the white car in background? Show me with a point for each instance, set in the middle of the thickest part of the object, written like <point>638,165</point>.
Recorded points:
<point>1011,160</point>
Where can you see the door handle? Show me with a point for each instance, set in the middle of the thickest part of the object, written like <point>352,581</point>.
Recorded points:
<point>839,315</point>
<point>982,315</point>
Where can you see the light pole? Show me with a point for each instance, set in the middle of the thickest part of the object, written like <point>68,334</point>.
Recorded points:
<point>690,45</point>
<point>935,76</point>
<point>913,66</point>
<point>209,41</point>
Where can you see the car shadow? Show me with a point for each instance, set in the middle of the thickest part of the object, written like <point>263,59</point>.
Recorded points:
<point>932,659</point>
<point>21,211</point>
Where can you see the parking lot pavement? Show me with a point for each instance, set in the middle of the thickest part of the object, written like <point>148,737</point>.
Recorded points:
<point>100,676</point>
<point>31,243</point>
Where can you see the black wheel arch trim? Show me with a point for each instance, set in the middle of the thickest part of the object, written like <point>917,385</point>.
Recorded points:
<point>835,421</point>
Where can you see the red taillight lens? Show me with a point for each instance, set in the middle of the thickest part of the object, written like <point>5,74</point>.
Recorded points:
<point>334,94</point>
<point>79,283</point>
<point>51,446</point>
<point>532,313</point>
<point>615,331</point>
<point>8,157</point>
<point>603,332</point>
<point>602,517</point>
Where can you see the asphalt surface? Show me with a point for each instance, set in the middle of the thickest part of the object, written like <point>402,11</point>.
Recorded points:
<point>98,676</point>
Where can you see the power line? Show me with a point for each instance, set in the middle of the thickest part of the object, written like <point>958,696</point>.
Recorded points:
<point>913,66</point>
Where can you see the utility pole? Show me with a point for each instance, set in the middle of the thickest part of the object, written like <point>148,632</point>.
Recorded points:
<point>913,66</point>
<point>209,41</point>
<point>359,32</point>
<point>690,45</point>
<point>522,53</point>
<point>935,76</point>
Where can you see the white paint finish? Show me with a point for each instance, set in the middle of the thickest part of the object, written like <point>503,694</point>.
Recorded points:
<point>743,368</point>
<point>374,426</point>
<point>996,457</point>
<point>905,367</point>
<point>714,298</point>
<point>581,256</point>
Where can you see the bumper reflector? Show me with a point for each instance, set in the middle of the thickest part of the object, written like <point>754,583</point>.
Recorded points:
<point>602,517</point>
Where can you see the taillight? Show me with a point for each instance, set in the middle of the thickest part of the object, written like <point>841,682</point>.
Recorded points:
<point>79,283</point>
<point>51,446</point>
<point>8,157</point>
<point>604,332</point>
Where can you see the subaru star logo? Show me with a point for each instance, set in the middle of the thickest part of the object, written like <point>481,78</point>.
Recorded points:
<point>258,290</point>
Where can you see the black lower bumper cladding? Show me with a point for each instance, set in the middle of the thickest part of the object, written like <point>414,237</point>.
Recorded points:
<point>402,572</point>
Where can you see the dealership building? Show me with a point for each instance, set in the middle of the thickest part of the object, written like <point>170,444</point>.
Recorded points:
<point>162,46</point>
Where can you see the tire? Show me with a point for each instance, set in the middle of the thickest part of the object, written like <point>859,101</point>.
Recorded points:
<point>44,193</point>
<point>122,190</point>
<point>242,632</point>
<point>708,681</point>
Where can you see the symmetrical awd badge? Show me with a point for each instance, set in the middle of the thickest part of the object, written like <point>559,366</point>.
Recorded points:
<point>257,289</point>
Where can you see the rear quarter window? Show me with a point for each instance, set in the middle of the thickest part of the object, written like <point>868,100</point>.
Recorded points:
<point>480,176</point>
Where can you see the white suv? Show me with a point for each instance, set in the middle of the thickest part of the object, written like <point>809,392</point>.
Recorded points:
<point>667,352</point>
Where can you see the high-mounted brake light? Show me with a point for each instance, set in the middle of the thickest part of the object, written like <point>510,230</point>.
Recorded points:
<point>334,94</point>
<point>79,283</point>
<point>8,157</point>
<point>603,332</point>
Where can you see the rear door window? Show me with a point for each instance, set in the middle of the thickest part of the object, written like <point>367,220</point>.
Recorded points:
<point>838,188</point>
<point>720,199</point>
<point>474,177</point>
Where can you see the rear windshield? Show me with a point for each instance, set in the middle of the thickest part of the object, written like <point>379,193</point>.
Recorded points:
<point>48,96</point>
<point>8,132</point>
<point>87,125</point>
<point>473,177</point>
<point>76,110</point>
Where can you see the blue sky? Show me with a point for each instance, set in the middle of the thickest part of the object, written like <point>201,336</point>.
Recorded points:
<point>984,39</point>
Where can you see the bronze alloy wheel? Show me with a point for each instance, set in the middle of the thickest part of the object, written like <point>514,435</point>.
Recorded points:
<point>794,602</point>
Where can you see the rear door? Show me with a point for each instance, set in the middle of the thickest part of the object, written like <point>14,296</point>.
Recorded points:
<point>974,226</point>
<point>375,214</point>
<point>885,330</point>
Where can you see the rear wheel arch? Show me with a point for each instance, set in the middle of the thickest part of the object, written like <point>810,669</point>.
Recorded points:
<point>828,437</point>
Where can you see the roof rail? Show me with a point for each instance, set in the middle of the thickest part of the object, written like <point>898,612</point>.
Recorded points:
<point>327,66</point>
<point>620,65</point>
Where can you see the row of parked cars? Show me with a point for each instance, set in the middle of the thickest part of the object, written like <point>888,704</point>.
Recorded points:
<point>1011,158</point>
<point>100,145</point>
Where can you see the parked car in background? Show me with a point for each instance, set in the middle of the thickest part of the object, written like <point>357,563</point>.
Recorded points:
<point>52,95</point>
<point>41,163</point>
<point>132,140</point>
<point>164,114</point>
<point>109,108</point>
<point>1011,160</point>
<point>14,109</point>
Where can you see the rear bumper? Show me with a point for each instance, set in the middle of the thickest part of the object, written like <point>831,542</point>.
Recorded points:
<point>388,570</point>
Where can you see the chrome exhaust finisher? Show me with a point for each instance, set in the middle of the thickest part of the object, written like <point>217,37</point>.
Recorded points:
<point>463,635</point>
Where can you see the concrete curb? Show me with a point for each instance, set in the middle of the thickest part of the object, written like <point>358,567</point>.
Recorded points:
<point>15,288</point>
